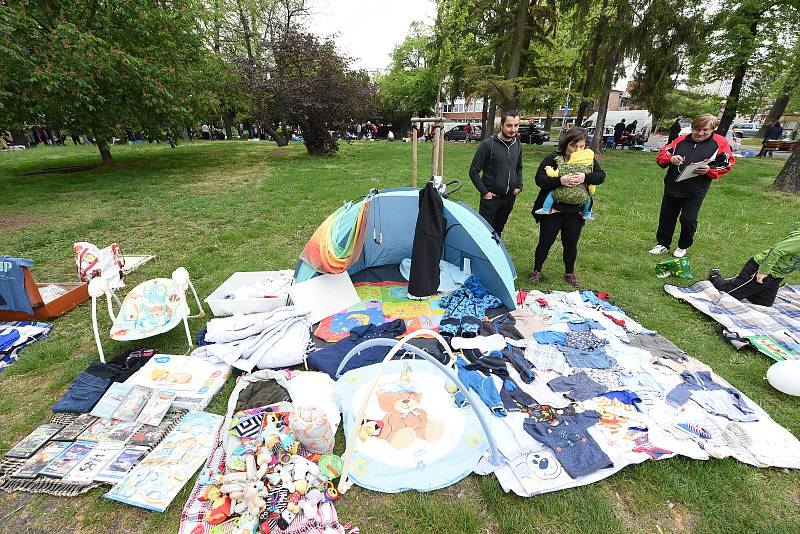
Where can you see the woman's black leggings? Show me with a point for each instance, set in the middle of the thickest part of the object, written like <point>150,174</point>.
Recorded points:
<point>570,226</point>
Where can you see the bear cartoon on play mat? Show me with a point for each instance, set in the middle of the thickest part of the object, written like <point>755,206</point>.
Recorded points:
<point>405,420</point>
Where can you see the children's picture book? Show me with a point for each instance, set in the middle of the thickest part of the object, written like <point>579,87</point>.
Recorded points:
<point>75,428</point>
<point>64,462</point>
<point>155,409</point>
<point>118,467</point>
<point>194,380</point>
<point>132,404</point>
<point>157,479</point>
<point>149,436</point>
<point>34,441</point>
<point>93,463</point>
<point>105,430</point>
<point>112,398</point>
<point>31,467</point>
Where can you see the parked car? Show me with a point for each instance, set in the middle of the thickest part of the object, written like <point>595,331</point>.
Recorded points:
<point>532,134</point>
<point>734,138</point>
<point>747,129</point>
<point>456,133</point>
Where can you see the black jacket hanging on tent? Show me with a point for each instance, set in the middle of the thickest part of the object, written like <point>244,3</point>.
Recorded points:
<point>428,240</point>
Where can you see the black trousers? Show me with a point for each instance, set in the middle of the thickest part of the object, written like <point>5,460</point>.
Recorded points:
<point>673,209</point>
<point>497,210</point>
<point>744,285</point>
<point>570,226</point>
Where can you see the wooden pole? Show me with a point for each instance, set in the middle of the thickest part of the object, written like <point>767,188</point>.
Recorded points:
<point>440,156</point>
<point>435,152</point>
<point>413,155</point>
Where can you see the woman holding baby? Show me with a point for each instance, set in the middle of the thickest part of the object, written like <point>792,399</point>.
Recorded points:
<point>564,201</point>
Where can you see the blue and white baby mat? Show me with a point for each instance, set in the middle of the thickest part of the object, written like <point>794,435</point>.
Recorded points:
<point>414,437</point>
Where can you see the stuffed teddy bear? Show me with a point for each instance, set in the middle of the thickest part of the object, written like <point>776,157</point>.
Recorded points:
<point>405,420</point>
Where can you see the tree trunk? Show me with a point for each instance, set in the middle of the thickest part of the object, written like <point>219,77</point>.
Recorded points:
<point>779,106</point>
<point>518,37</point>
<point>589,62</point>
<point>732,102</point>
<point>548,121</point>
<point>608,80</point>
<point>484,115</point>
<point>227,120</point>
<point>789,178</point>
<point>490,118</point>
<point>102,146</point>
<point>279,140</point>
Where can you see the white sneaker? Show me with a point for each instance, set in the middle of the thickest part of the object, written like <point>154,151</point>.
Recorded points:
<point>658,249</point>
<point>679,252</point>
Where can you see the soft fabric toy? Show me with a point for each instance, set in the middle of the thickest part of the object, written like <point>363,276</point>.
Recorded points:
<point>580,161</point>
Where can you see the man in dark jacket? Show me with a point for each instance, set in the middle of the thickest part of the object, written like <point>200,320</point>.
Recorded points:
<point>619,129</point>
<point>496,171</point>
<point>684,192</point>
<point>674,130</point>
<point>773,132</point>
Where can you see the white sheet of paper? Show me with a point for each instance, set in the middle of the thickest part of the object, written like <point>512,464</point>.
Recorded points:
<point>324,295</point>
<point>689,171</point>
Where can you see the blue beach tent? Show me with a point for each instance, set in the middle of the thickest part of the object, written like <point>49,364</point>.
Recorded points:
<point>391,222</point>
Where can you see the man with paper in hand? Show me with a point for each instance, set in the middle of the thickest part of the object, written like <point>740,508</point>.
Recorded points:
<point>692,162</point>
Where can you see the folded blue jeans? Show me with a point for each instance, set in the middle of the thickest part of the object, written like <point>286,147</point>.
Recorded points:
<point>82,394</point>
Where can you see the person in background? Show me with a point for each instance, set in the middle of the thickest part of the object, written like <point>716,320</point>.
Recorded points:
<point>565,219</point>
<point>619,129</point>
<point>467,133</point>
<point>205,131</point>
<point>683,199</point>
<point>773,132</point>
<point>496,171</point>
<point>761,277</point>
<point>674,130</point>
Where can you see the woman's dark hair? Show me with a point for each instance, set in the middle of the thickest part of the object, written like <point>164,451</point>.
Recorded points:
<point>571,136</point>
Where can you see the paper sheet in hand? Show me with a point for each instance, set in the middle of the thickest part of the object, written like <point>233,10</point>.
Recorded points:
<point>689,171</point>
<point>324,295</point>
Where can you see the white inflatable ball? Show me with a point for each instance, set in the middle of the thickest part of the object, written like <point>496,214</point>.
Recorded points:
<point>785,376</point>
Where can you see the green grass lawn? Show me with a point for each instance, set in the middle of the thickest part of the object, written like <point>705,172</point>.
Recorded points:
<point>221,207</point>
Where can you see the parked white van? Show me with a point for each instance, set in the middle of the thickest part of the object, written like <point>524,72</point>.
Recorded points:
<point>641,116</point>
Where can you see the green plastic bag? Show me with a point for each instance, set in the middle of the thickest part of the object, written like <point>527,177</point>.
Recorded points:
<point>674,267</point>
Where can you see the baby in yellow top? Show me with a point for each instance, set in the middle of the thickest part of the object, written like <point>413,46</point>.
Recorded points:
<point>580,161</point>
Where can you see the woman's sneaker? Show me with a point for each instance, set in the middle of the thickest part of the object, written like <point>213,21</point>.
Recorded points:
<point>572,280</point>
<point>535,276</point>
<point>658,249</point>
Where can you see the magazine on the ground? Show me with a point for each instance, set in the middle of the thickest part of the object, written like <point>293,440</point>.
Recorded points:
<point>132,404</point>
<point>94,462</point>
<point>104,430</point>
<point>34,441</point>
<point>155,409</point>
<point>119,466</point>
<point>111,400</point>
<point>149,436</point>
<point>40,459</point>
<point>75,428</point>
<point>68,459</point>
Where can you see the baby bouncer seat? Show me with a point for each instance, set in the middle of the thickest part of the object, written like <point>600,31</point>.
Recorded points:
<point>151,308</point>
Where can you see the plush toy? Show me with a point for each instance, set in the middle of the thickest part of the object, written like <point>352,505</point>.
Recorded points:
<point>311,502</point>
<point>405,420</point>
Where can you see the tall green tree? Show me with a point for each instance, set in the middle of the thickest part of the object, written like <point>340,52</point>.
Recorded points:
<point>96,66</point>
<point>745,33</point>
<point>410,86</point>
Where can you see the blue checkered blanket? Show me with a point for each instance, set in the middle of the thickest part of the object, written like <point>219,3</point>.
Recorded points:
<point>780,322</point>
